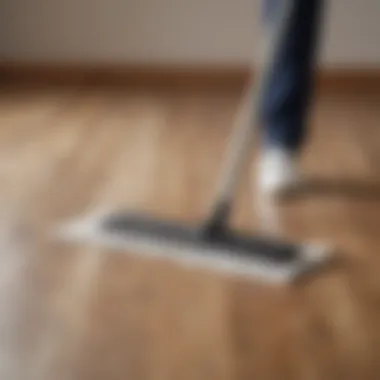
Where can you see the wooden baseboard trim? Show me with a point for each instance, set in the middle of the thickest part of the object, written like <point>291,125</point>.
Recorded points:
<point>113,75</point>
<point>166,76</point>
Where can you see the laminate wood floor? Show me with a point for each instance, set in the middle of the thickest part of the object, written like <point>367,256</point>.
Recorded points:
<point>76,312</point>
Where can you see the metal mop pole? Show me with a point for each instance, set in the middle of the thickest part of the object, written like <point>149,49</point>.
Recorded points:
<point>246,117</point>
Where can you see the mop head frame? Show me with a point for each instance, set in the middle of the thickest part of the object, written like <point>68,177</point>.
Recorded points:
<point>229,252</point>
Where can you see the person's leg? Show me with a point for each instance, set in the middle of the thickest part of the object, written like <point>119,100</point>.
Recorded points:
<point>284,110</point>
<point>285,105</point>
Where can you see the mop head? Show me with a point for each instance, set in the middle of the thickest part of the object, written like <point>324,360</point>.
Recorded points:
<point>229,252</point>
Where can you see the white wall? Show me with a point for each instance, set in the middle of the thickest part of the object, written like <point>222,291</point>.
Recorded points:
<point>171,31</point>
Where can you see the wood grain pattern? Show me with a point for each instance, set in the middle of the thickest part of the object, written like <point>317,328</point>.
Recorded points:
<point>75,312</point>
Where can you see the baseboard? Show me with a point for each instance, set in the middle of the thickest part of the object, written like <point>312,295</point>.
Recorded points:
<point>357,79</point>
<point>124,75</point>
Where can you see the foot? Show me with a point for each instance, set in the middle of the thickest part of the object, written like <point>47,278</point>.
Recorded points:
<point>277,172</point>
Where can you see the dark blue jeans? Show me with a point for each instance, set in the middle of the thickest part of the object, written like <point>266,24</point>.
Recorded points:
<point>284,110</point>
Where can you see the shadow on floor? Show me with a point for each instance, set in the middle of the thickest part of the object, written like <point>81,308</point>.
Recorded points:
<point>338,187</point>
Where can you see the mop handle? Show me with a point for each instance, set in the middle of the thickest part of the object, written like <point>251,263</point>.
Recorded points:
<point>246,118</point>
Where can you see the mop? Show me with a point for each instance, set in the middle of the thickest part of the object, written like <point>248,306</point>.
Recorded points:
<point>212,244</point>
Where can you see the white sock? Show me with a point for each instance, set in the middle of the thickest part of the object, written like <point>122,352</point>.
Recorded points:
<point>277,171</point>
